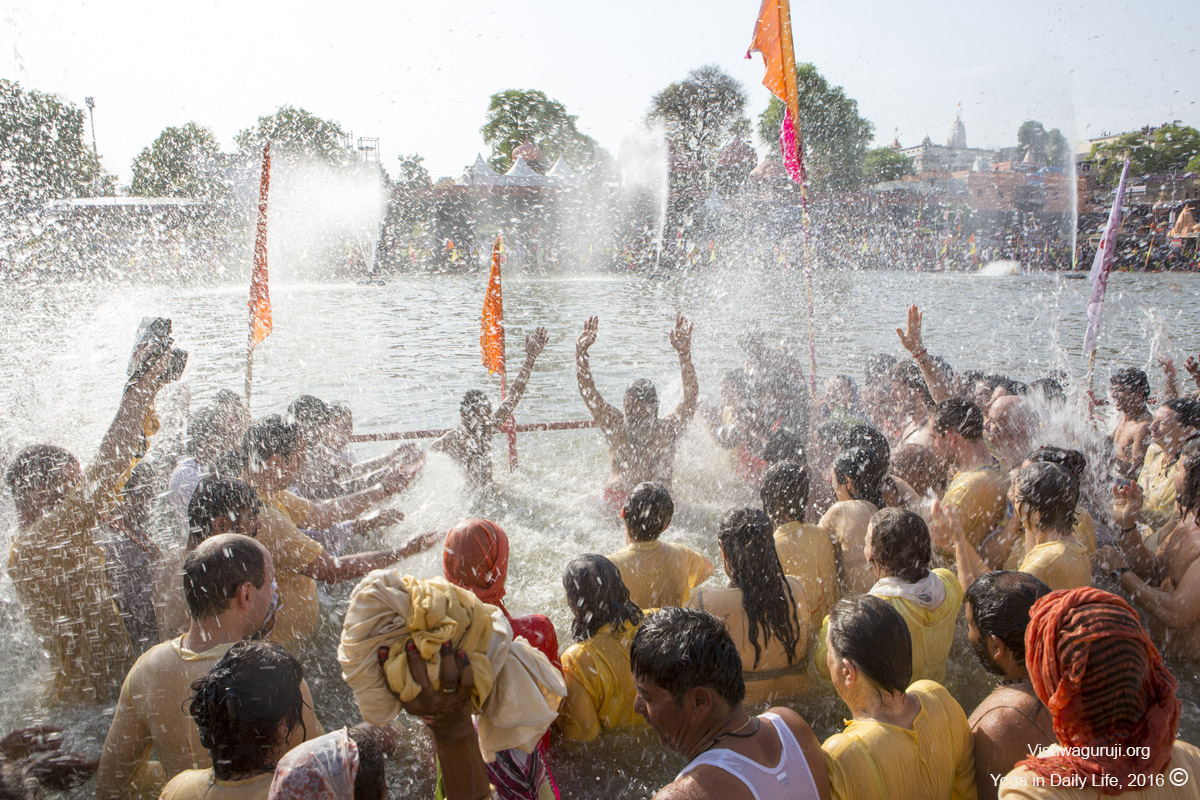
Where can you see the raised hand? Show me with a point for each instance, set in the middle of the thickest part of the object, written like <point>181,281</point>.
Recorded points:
<point>447,709</point>
<point>399,476</point>
<point>1127,504</point>
<point>588,337</point>
<point>911,338</point>
<point>419,544</point>
<point>536,343</point>
<point>681,336</point>
<point>1193,368</point>
<point>944,526</point>
<point>25,741</point>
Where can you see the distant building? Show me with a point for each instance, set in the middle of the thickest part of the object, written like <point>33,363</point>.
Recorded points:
<point>933,160</point>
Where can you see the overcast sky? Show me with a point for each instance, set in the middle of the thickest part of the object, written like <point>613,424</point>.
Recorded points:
<point>418,74</point>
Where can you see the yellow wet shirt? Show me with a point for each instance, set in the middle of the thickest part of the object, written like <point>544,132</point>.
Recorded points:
<point>600,690</point>
<point>1059,564</point>
<point>931,630</point>
<point>773,677</point>
<point>1158,488</point>
<point>58,572</point>
<point>1084,533</point>
<point>933,760</point>
<point>660,574</point>
<point>291,551</point>
<point>806,553</point>
<point>199,784</point>
<point>979,496</point>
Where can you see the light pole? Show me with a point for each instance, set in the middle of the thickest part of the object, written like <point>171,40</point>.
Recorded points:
<point>91,104</point>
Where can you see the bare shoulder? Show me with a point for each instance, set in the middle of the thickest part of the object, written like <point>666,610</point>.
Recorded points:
<point>704,783</point>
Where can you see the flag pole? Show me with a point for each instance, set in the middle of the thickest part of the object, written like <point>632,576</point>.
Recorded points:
<point>491,340</point>
<point>260,298</point>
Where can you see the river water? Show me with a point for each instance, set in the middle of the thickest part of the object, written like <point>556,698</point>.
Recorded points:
<point>401,355</point>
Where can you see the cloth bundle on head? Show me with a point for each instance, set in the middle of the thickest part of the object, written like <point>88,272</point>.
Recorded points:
<point>1093,665</point>
<point>516,690</point>
<point>323,768</point>
<point>476,558</point>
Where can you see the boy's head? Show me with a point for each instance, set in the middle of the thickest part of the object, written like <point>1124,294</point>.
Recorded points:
<point>1130,389</point>
<point>784,492</point>
<point>647,512</point>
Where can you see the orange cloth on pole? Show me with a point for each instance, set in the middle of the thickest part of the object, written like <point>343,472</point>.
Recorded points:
<point>1093,665</point>
<point>260,298</point>
<point>491,325</point>
<point>773,39</point>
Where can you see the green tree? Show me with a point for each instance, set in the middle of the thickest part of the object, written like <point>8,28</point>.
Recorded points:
<point>701,112</point>
<point>182,162</point>
<point>1167,148</point>
<point>1194,164</point>
<point>514,116</point>
<point>44,151</point>
<point>834,134</point>
<point>1049,147</point>
<point>296,134</point>
<point>885,164</point>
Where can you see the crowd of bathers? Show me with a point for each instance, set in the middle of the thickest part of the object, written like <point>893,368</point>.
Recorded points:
<point>927,501</point>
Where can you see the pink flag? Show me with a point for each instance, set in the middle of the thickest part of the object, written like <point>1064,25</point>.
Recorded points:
<point>1102,265</point>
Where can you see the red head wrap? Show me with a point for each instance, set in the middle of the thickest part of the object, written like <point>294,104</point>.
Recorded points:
<point>476,558</point>
<point>1093,665</point>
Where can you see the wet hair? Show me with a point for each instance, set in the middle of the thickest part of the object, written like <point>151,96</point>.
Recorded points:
<point>647,511</point>
<point>228,399</point>
<point>204,431</point>
<point>1132,380</point>
<point>1000,603</point>
<point>749,551</point>
<point>680,649</point>
<point>597,596</point>
<point>1189,498</point>
<point>785,445</point>
<point>473,399</point>
<point>900,544</point>
<point>1051,491</point>
<point>833,432</point>
<point>212,575</point>
<point>851,386</point>
<point>859,466</point>
<point>878,367</point>
<point>337,413</point>
<point>642,391</point>
<point>230,464</point>
<point>909,375</point>
<point>1072,461</point>
<point>875,443</point>
<point>1051,389</point>
<point>36,467</point>
<point>215,498</point>
<point>961,416</point>
<point>370,782</point>
<point>239,704</point>
<point>308,413</point>
<point>141,479</point>
<point>992,381</point>
<point>1187,409</point>
<point>270,436</point>
<point>873,635</point>
<point>784,491</point>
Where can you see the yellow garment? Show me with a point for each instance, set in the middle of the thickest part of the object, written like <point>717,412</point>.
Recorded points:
<point>600,690</point>
<point>151,714</point>
<point>517,691</point>
<point>291,552</point>
<point>1084,533</point>
<point>806,553</point>
<point>199,784</point>
<point>293,506</point>
<point>931,630</point>
<point>660,574</point>
<point>773,677</point>
<point>1158,488</point>
<point>980,497</point>
<point>1059,564</point>
<point>1023,784</point>
<point>934,760</point>
<point>59,575</point>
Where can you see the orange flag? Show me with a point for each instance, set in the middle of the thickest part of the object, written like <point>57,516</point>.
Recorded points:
<point>491,325</point>
<point>260,298</point>
<point>773,39</point>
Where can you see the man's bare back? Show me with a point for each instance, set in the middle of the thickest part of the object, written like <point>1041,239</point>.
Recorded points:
<point>1131,438</point>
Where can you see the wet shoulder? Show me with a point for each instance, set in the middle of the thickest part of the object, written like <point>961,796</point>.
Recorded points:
<point>940,710</point>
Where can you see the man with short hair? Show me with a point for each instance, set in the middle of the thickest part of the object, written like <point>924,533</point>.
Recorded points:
<point>805,550</point>
<point>976,494</point>
<point>57,569</point>
<point>1130,390</point>
<point>272,450</point>
<point>1011,722</point>
<point>470,442</point>
<point>656,573</point>
<point>641,447</point>
<point>690,689</point>
<point>229,584</point>
<point>1113,701</point>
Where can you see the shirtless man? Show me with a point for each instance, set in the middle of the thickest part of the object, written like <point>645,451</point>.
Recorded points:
<point>1011,719</point>
<point>1130,389</point>
<point>470,443</point>
<point>641,446</point>
<point>1166,583</point>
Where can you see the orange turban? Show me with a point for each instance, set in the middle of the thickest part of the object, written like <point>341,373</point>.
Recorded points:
<point>476,559</point>
<point>1093,665</point>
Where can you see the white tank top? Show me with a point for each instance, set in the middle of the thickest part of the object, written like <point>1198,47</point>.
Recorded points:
<point>790,779</point>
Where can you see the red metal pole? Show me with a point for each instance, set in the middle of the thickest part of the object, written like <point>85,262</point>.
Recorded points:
<point>433,433</point>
